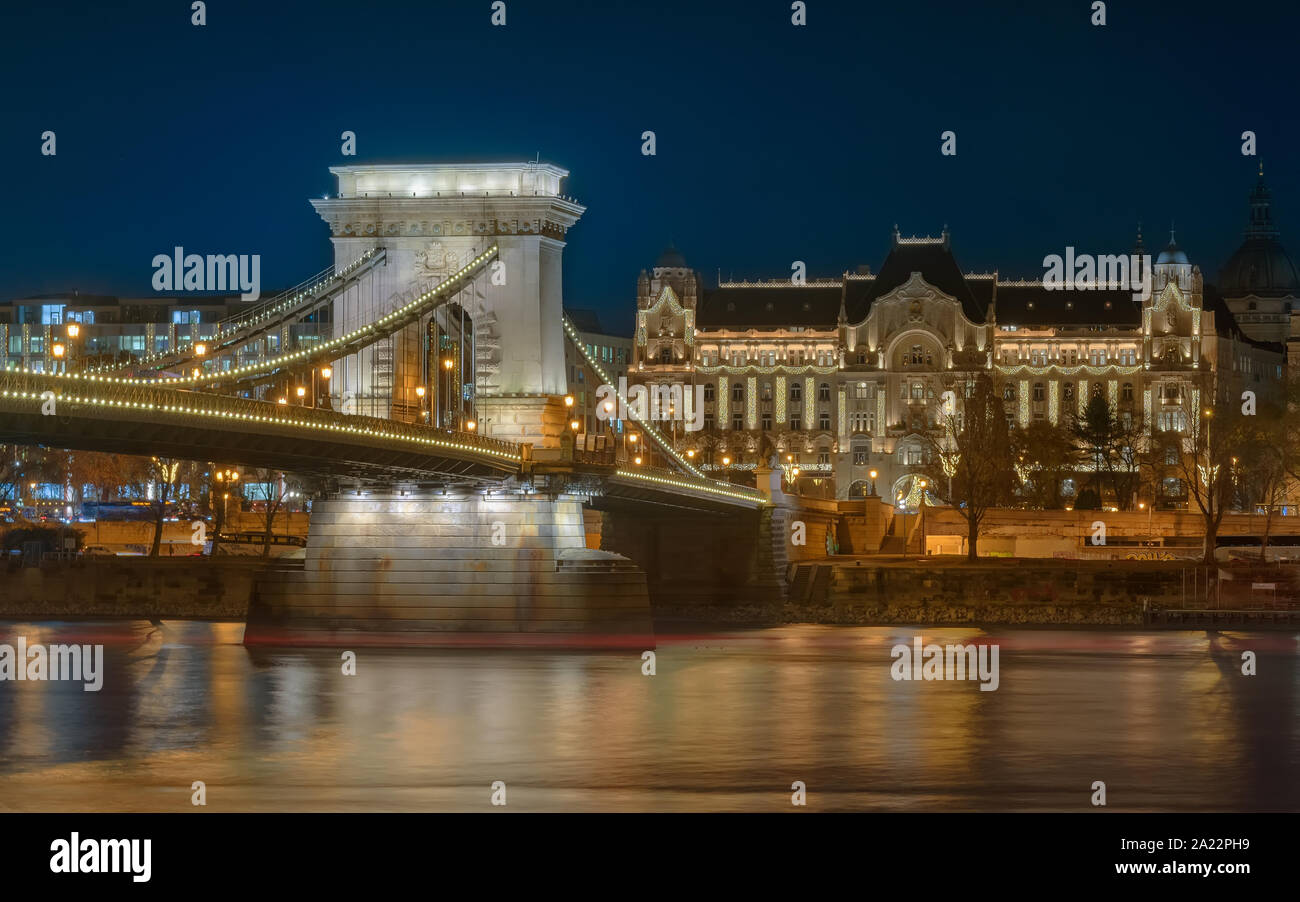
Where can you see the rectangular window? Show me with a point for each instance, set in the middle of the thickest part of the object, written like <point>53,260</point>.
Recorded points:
<point>767,422</point>
<point>824,421</point>
<point>738,422</point>
<point>796,422</point>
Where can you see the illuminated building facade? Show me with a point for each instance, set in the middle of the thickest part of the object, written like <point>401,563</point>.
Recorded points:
<point>842,377</point>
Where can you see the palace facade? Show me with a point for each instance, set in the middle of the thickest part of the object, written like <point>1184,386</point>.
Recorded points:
<point>843,377</point>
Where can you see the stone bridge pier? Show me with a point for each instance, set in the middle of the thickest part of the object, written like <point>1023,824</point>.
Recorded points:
<point>695,559</point>
<point>458,569</point>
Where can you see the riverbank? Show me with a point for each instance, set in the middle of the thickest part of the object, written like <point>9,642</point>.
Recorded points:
<point>853,592</point>
<point>121,587</point>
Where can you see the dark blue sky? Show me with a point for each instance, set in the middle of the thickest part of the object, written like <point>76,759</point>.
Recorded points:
<point>775,143</point>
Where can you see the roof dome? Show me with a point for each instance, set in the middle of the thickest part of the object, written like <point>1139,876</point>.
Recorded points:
<point>1260,266</point>
<point>1172,253</point>
<point>671,258</point>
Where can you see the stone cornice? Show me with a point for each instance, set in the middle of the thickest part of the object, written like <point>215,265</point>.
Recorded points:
<point>444,217</point>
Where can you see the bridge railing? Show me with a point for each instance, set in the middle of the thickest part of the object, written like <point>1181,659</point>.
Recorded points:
<point>249,325</point>
<point>647,427</point>
<point>108,393</point>
<point>673,478</point>
<point>267,369</point>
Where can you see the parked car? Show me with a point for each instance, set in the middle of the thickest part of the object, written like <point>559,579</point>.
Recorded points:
<point>96,551</point>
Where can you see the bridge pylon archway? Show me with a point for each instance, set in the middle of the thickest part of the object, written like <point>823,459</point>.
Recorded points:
<point>430,219</point>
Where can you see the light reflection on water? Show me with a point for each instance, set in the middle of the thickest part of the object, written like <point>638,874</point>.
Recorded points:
<point>1165,719</point>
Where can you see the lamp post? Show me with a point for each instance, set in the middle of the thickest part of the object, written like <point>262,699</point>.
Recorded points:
<point>922,512</point>
<point>448,365</point>
<point>223,478</point>
<point>74,331</point>
<point>902,512</point>
<point>609,421</point>
<point>325,373</point>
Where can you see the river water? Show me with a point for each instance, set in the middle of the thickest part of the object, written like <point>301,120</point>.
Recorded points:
<point>728,722</point>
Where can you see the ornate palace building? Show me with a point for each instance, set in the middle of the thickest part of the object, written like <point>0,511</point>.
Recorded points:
<point>843,377</point>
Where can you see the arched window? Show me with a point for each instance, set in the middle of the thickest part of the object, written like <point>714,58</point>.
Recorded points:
<point>665,355</point>
<point>1008,392</point>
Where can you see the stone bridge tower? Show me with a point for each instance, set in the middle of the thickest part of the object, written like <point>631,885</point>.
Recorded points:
<point>431,219</point>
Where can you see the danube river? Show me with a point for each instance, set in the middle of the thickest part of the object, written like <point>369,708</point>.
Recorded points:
<point>728,722</point>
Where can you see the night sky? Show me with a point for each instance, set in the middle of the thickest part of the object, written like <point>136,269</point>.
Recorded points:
<point>775,143</point>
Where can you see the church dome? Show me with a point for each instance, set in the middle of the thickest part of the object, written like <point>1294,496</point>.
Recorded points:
<point>671,258</point>
<point>1261,265</point>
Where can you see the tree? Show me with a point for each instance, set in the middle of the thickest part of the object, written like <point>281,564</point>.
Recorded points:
<point>155,478</point>
<point>1045,456</point>
<point>976,437</point>
<point>1209,442</point>
<point>104,473</point>
<point>11,471</point>
<point>710,442</point>
<point>1259,473</point>
<point>272,488</point>
<point>1111,448</point>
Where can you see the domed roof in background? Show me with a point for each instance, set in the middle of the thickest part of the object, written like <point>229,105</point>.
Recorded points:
<point>1261,265</point>
<point>1173,253</point>
<point>671,258</point>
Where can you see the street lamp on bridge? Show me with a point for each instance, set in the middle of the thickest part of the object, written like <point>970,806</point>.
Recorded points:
<point>448,365</point>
